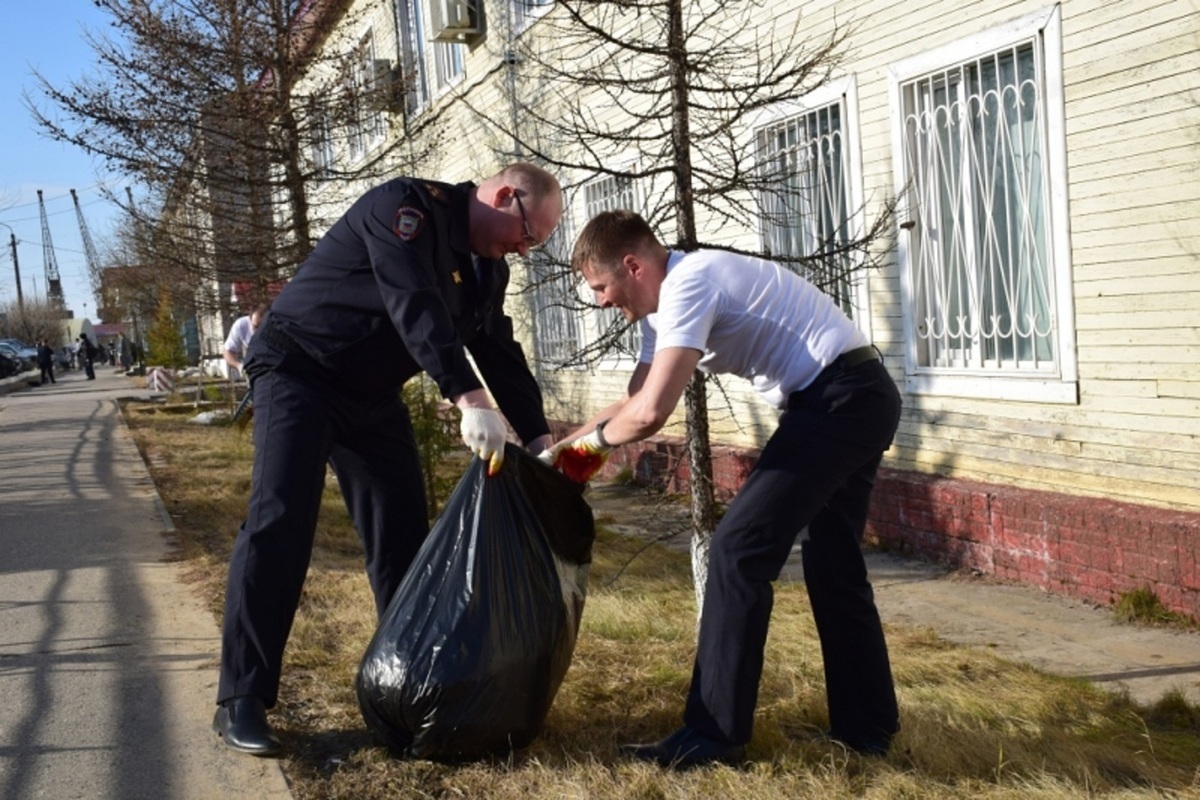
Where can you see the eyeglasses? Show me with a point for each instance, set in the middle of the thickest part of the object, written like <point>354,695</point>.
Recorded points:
<point>530,239</point>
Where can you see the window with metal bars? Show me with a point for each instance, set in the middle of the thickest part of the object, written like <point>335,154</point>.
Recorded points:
<point>365,126</point>
<point>981,263</point>
<point>557,310</point>
<point>610,193</point>
<point>802,163</point>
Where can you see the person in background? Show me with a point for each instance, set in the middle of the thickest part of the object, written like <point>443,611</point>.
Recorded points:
<point>725,313</point>
<point>87,356</point>
<point>240,332</point>
<point>409,280</point>
<point>45,359</point>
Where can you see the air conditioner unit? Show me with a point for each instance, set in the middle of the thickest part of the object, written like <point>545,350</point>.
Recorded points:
<point>455,20</point>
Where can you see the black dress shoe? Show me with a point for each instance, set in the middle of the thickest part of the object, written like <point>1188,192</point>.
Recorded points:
<point>865,745</point>
<point>242,722</point>
<point>686,748</point>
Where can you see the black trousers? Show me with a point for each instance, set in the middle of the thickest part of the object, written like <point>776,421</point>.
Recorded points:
<point>47,373</point>
<point>301,421</point>
<point>817,471</point>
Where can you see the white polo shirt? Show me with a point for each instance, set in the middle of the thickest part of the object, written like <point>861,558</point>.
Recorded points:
<point>750,317</point>
<point>239,336</point>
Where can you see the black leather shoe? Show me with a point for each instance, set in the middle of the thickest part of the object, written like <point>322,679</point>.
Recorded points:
<point>685,748</point>
<point>867,746</point>
<point>242,722</point>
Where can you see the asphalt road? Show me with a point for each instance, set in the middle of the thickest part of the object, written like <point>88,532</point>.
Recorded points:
<point>107,660</point>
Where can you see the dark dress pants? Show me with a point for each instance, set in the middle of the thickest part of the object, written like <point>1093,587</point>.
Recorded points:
<point>817,471</point>
<point>300,423</point>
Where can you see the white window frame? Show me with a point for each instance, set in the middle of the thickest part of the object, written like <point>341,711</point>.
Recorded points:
<point>445,63</point>
<point>842,92</point>
<point>321,143</point>
<point>527,12</point>
<point>410,21</point>
<point>556,301</point>
<point>1054,385</point>
<point>366,129</point>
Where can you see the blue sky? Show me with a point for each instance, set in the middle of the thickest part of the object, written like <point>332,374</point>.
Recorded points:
<point>47,36</point>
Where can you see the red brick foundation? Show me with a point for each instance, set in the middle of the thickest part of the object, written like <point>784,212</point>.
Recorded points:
<point>1089,548</point>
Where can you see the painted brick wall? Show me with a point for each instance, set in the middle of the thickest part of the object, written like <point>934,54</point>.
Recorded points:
<point>1085,547</point>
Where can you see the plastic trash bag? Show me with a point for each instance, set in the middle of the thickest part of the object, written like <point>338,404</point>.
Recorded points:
<point>471,651</point>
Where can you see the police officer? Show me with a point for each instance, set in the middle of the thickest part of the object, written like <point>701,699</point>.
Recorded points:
<point>410,279</point>
<point>726,313</point>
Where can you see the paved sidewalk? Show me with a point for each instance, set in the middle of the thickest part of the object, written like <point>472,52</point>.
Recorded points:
<point>107,659</point>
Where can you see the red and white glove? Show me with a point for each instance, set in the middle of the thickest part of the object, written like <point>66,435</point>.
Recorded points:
<point>484,431</point>
<point>581,458</point>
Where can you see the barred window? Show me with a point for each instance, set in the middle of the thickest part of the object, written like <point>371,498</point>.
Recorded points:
<point>984,278</point>
<point>805,211</point>
<point>610,193</point>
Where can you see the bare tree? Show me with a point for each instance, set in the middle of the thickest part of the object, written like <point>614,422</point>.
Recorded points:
<point>198,102</point>
<point>667,80</point>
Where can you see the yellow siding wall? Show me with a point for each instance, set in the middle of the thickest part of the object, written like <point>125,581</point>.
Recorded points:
<point>1131,81</point>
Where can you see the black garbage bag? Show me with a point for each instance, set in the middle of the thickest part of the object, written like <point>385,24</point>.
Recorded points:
<point>471,651</point>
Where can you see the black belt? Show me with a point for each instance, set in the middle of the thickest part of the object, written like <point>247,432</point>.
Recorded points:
<point>278,339</point>
<point>852,358</point>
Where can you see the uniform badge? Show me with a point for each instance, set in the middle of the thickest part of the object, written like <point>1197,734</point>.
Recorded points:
<point>408,224</point>
<point>457,276</point>
<point>435,192</point>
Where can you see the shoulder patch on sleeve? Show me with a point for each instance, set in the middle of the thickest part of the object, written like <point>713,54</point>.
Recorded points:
<point>409,222</point>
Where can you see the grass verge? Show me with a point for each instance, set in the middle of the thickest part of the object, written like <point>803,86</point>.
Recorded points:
<point>973,725</point>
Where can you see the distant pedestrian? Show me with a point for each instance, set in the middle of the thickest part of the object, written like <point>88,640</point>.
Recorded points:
<point>239,336</point>
<point>87,355</point>
<point>45,359</point>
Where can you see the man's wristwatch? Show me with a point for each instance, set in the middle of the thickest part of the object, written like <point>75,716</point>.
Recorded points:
<point>600,434</point>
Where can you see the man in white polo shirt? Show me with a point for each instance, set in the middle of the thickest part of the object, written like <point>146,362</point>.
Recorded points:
<point>725,313</point>
<point>239,336</point>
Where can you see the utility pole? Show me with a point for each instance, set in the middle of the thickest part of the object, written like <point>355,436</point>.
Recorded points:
<point>12,244</point>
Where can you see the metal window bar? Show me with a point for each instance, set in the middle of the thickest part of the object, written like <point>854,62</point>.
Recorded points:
<point>610,193</point>
<point>805,210</point>
<point>981,273</point>
<point>557,320</point>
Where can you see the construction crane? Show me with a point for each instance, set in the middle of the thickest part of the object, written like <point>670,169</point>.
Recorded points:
<point>54,292</point>
<point>89,249</point>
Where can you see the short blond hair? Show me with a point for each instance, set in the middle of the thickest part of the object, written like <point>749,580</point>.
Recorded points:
<point>530,177</point>
<point>608,236</point>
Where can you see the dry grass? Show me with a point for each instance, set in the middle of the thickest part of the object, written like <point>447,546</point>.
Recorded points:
<point>974,725</point>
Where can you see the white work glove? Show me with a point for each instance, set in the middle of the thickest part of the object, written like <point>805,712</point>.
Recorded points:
<point>483,430</point>
<point>581,458</point>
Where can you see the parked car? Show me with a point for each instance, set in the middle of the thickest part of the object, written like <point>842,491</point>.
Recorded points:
<point>8,366</point>
<point>21,356</point>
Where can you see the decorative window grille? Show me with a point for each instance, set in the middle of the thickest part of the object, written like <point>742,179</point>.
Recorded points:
<point>803,163</point>
<point>611,193</point>
<point>981,266</point>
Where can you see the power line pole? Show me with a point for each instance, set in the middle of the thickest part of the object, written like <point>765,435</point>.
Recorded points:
<point>12,243</point>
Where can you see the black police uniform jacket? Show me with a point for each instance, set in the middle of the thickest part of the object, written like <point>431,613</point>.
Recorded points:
<point>391,290</point>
